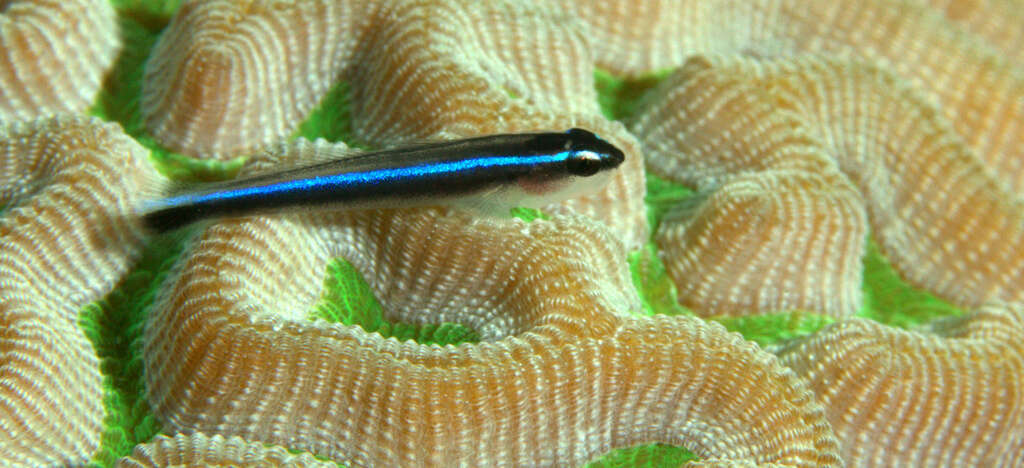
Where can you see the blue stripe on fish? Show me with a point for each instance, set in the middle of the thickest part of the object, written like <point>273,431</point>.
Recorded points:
<point>522,168</point>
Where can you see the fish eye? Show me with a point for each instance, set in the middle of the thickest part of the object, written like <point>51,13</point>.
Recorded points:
<point>584,163</point>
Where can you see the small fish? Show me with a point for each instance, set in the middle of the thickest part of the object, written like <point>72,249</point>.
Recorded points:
<point>492,174</point>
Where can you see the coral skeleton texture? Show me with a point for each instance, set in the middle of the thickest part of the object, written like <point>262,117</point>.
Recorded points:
<point>563,373</point>
<point>804,127</point>
<point>957,383</point>
<point>67,235</point>
<point>228,77</point>
<point>978,90</point>
<point>938,213</point>
<point>553,294</point>
<point>424,70</point>
<point>997,21</point>
<point>203,450</point>
<point>774,205</point>
<point>53,55</point>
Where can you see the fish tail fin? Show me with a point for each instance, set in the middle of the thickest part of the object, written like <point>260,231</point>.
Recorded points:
<point>163,210</point>
<point>166,219</point>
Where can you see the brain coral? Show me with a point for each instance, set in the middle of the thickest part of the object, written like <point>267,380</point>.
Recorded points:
<point>55,54</point>
<point>66,237</point>
<point>794,146</point>
<point>918,392</point>
<point>935,208</point>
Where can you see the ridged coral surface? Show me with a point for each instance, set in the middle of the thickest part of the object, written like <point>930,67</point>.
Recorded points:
<point>203,450</point>
<point>978,90</point>
<point>215,86</point>
<point>229,76</point>
<point>774,205</point>
<point>998,21</point>
<point>957,383</point>
<point>807,134</point>
<point>53,55</point>
<point>66,236</point>
<point>563,373</point>
<point>942,217</point>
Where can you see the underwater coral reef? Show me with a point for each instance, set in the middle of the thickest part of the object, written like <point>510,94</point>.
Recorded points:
<point>811,256</point>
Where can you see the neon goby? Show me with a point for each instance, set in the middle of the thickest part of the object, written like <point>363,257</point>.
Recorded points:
<point>493,173</point>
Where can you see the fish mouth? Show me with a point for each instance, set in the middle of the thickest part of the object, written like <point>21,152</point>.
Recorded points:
<point>616,156</point>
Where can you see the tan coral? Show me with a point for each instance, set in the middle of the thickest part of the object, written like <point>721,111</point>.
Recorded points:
<point>53,55</point>
<point>466,68</point>
<point>938,214</point>
<point>228,77</point>
<point>765,242</point>
<point>203,450</point>
<point>446,69</point>
<point>436,69</point>
<point>949,396</point>
<point>998,21</point>
<point>778,226</point>
<point>562,376</point>
<point>66,237</point>
<point>978,90</point>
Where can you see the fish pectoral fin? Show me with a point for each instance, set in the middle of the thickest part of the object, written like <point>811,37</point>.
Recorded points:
<point>497,202</point>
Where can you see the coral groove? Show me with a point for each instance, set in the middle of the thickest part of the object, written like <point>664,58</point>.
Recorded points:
<point>778,226</point>
<point>947,396</point>
<point>425,69</point>
<point>751,244</point>
<point>803,126</point>
<point>998,21</point>
<point>203,450</point>
<point>564,373</point>
<point>979,91</point>
<point>66,237</point>
<point>229,77</point>
<point>932,204</point>
<point>53,55</point>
